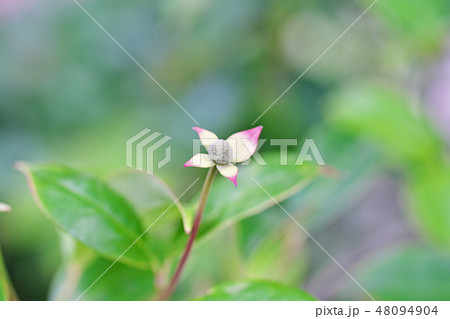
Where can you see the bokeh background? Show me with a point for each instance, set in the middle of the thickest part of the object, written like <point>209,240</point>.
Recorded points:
<point>377,105</point>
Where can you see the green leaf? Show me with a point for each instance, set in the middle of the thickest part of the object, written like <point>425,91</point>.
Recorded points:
<point>280,255</point>
<point>121,282</point>
<point>255,291</point>
<point>327,199</point>
<point>153,198</point>
<point>227,205</point>
<point>88,210</point>
<point>316,207</point>
<point>410,274</point>
<point>385,117</point>
<point>430,205</point>
<point>422,22</point>
<point>150,195</point>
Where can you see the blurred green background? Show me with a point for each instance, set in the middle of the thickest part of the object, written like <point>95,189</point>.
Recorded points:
<point>377,105</point>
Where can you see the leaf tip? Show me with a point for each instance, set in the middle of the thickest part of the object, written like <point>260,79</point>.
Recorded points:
<point>21,166</point>
<point>25,170</point>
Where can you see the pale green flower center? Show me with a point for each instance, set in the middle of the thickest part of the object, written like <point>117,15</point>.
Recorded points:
<point>221,152</point>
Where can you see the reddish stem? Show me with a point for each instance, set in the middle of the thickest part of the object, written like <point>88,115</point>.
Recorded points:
<point>198,218</point>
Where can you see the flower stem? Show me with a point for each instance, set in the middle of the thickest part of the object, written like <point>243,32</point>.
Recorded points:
<point>198,217</point>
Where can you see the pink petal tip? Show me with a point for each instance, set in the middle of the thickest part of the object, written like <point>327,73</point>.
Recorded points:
<point>252,134</point>
<point>233,179</point>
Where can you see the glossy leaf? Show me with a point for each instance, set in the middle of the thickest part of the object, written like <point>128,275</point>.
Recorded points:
<point>149,194</point>
<point>157,206</point>
<point>255,291</point>
<point>409,274</point>
<point>316,207</point>
<point>88,210</point>
<point>227,205</point>
<point>326,199</point>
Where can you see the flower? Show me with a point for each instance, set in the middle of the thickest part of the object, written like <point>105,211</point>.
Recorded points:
<point>238,148</point>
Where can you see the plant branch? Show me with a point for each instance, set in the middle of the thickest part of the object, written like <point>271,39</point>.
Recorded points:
<point>198,218</point>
